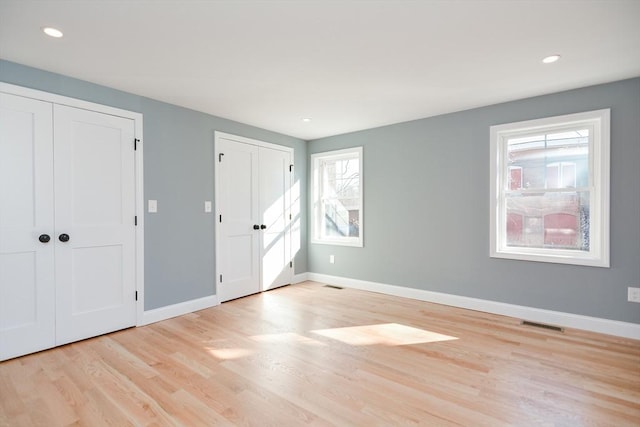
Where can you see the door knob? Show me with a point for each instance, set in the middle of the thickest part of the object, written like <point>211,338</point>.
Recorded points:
<point>262,227</point>
<point>63,237</point>
<point>256,227</point>
<point>44,238</point>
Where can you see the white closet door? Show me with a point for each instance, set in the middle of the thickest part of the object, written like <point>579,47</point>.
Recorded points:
<point>27,293</point>
<point>95,208</point>
<point>253,197</point>
<point>274,208</point>
<point>239,240</point>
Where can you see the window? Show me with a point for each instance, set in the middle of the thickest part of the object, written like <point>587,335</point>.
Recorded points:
<point>550,189</point>
<point>336,184</point>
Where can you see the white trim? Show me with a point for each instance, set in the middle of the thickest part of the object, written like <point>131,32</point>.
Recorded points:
<point>139,153</point>
<point>179,309</point>
<point>65,100</point>
<point>223,135</point>
<point>314,204</point>
<point>569,320</point>
<point>299,278</point>
<point>139,161</point>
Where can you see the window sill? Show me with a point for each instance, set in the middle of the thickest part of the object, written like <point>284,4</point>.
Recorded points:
<point>557,257</point>
<point>354,243</point>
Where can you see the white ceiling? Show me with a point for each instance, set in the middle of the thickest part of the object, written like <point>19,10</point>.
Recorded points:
<point>348,64</point>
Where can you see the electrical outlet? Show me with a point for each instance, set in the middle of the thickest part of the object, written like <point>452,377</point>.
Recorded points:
<point>633,294</point>
<point>332,259</point>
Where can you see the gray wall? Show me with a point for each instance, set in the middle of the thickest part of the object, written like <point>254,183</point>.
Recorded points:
<point>426,214</point>
<point>178,172</point>
<point>426,201</point>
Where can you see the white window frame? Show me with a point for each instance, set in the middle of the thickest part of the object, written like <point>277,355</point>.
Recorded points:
<point>599,171</point>
<point>317,235</point>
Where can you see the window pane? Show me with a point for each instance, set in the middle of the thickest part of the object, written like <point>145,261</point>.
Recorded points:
<point>341,197</point>
<point>553,160</point>
<point>568,176</point>
<point>553,175</point>
<point>548,220</point>
<point>515,178</point>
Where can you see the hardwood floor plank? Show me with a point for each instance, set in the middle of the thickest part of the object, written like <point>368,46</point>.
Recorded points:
<point>12,406</point>
<point>309,355</point>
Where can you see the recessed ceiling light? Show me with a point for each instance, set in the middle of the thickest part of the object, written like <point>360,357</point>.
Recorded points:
<point>551,59</point>
<point>306,119</point>
<point>52,32</point>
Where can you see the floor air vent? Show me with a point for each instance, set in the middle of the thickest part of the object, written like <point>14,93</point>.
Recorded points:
<point>332,287</point>
<point>543,326</point>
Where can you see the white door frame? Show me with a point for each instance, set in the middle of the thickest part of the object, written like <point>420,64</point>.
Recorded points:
<point>222,135</point>
<point>139,189</point>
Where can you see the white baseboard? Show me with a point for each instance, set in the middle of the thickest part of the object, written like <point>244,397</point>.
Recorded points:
<point>299,278</point>
<point>558,318</point>
<point>163,313</point>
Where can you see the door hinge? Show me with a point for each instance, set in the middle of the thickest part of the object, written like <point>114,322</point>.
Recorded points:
<point>290,264</point>
<point>221,278</point>
<point>220,219</point>
<point>290,218</point>
<point>136,295</point>
<point>290,168</point>
<point>135,144</point>
<point>135,220</point>
<point>220,157</point>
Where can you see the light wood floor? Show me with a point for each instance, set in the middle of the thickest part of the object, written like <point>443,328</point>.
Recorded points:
<point>313,355</point>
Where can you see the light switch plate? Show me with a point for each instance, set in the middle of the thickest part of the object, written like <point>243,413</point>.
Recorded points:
<point>207,206</point>
<point>153,206</point>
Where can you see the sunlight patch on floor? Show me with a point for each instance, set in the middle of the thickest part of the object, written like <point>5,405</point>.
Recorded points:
<point>383,334</point>
<point>287,337</point>
<point>229,353</point>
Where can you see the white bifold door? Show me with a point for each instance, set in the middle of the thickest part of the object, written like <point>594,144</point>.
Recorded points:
<point>253,203</point>
<point>27,282</point>
<point>67,236</point>
<point>95,206</point>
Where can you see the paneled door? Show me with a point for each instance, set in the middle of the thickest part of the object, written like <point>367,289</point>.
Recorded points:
<point>27,289</point>
<point>275,193</point>
<point>253,182</point>
<point>95,229</point>
<point>67,224</point>
<point>238,220</point>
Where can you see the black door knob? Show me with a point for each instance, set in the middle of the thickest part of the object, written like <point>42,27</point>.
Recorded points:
<point>256,227</point>
<point>63,237</point>
<point>262,227</point>
<point>44,238</point>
